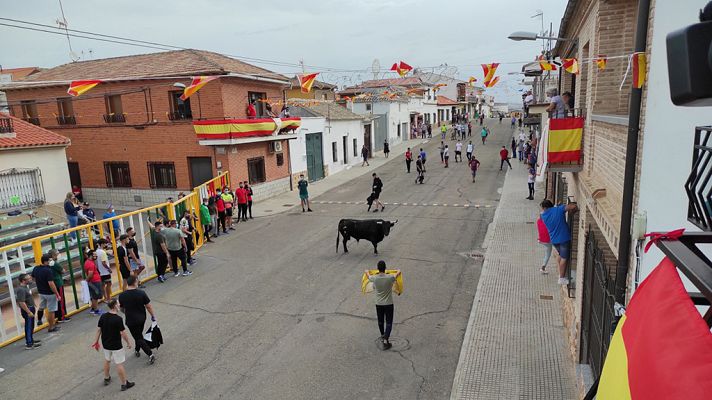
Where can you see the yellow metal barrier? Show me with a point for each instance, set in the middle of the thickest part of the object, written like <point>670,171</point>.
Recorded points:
<point>16,258</point>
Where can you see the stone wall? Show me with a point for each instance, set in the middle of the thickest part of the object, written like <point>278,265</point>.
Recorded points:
<point>127,199</point>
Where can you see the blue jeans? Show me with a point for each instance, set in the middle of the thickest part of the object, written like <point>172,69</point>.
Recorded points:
<point>29,326</point>
<point>73,222</point>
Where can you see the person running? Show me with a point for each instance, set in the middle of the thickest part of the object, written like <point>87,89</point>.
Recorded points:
<point>468,151</point>
<point>458,151</point>
<point>408,159</point>
<point>514,122</point>
<point>304,192</point>
<point>58,271</point>
<point>176,247</point>
<point>500,118</point>
<point>205,220</point>
<point>49,295</point>
<point>386,148</point>
<point>104,267</point>
<point>111,330</point>
<point>555,220</point>
<point>383,287</point>
<point>545,241</point>
<point>422,157</point>
<point>474,165</point>
<point>26,303</point>
<point>137,266</point>
<point>134,303</point>
<point>93,282</point>
<point>446,155</point>
<point>376,189</point>
<point>504,158</point>
<point>364,155</point>
<point>250,193</point>
<point>484,134</point>
<point>419,169</point>
<point>160,250</point>
<point>530,182</point>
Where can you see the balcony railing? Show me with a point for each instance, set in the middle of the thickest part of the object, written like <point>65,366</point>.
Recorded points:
<point>66,120</point>
<point>6,125</point>
<point>179,116</point>
<point>114,118</point>
<point>33,120</point>
<point>697,186</point>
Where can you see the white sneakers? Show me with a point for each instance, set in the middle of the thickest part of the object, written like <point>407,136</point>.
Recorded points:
<point>563,281</point>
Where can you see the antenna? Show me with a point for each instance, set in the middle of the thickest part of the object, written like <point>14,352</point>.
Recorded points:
<point>375,68</point>
<point>63,24</point>
<point>540,14</point>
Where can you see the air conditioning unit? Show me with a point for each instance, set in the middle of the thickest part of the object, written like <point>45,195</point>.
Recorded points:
<point>275,147</point>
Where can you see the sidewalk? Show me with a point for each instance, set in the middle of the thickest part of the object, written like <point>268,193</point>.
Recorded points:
<point>515,345</point>
<point>285,201</point>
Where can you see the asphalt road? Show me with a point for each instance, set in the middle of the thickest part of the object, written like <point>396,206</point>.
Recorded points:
<point>273,312</point>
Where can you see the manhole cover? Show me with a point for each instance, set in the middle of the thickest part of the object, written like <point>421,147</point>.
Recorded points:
<point>546,297</point>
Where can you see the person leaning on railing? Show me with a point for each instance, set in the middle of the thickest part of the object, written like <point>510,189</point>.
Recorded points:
<point>71,210</point>
<point>557,106</point>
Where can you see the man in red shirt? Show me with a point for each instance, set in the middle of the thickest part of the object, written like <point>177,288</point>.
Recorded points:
<point>93,281</point>
<point>241,194</point>
<point>251,111</point>
<point>504,158</point>
<point>220,206</point>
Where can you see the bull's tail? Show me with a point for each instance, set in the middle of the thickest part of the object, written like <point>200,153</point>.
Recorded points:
<point>338,232</point>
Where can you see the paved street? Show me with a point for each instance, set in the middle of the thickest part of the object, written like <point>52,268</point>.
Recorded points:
<point>272,312</point>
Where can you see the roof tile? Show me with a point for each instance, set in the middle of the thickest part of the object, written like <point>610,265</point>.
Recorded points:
<point>28,135</point>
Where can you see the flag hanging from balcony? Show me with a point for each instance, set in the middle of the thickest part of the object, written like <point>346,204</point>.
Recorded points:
<point>307,81</point>
<point>493,82</point>
<point>639,66</point>
<point>489,70</point>
<point>196,84</point>
<point>401,68</point>
<point>662,348</point>
<point>76,88</point>
<point>571,65</point>
<point>565,139</point>
<point>601,62</point>
<point>547,66</point>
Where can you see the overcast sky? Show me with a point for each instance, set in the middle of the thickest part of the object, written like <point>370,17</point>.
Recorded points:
<point>340,34</point>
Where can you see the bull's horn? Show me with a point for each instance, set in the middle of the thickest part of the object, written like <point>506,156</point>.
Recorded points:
<point>396,222</point>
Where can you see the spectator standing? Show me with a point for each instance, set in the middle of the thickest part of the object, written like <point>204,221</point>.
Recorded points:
<point>443,131</point>
<point>251,110</point>
<point>160,250</point>
<point>520,150</point>
<point>482,119</point>
<point>500,118</point>
<point>213,216</point>
<point>187,228</point>
<point>530,182</point>
<point>89,212</point>
<point>228,201</point>
<point>555,220</point>
<point>26,303</point>
<point>557,108</point>
<point>175,242</point>
<point>429,127</point>
<point>250,193</point>
<point>484,134</point>
<point>514,122</point>
<point>442,152</point>
<point>408,159</point>
<point>137,266</point>
<point>122,255</point>
<point>110,213</point>
<point>514,146</point>
<point>376,189</point>
<point>469,129</point>
<point>386,148</point>
<point>468,151</point>
<point>205,219</point>
<point>383,288</point>
<point>220,207</point>
<point>104,267</point>
<point>504,158</point>
<point>58,271</point>
<point>544,241</point>
<point>458,151</point>
<point>72,212</point>
<point>93,281</point>
<point>520,122</point>
<point>364,155</point>
<point>49,295</point>
<point>134,303</point>
<point>422,157</point>
<point>111,330</point>
<point>303,192</point>
<point>241,195</point>
<point>446,155</point>
<point>474,165</point>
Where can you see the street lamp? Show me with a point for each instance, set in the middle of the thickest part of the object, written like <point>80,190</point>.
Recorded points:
<point>520,35</point>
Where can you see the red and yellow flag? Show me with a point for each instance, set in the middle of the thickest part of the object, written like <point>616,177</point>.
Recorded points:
<point>565,136</point>
<point>401,68</point>
<point>493,82</point>
<point>307,81</point>
<point>547,66</point>
<point>195,85</point>
<point>639,69</point>
<point>472,81</point>
<point>439,85</point>
<point>76,88</point>
<point>662,348</point>
<point>489,70</point>
<point>571,65</point>
<point>601,61</point>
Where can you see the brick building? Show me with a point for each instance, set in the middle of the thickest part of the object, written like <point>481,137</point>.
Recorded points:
<point>135,142</point>
<point>319,91</point>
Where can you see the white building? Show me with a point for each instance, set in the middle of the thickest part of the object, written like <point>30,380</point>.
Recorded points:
<point>391,118</point>
<point>329,139</point>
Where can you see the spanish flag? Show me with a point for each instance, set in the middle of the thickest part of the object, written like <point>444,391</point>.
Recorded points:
<point>601,61</point>
<point>195,85</point>
<point>307,81</point>
<point>493,82</point>
<point>76,88</point>
<point>571,65</point>
<point>547,66</point>
<point>662,348</point>
<point>565,139</point>
<point>489,70</point>
<point>639,67</point>
<point>367,286</point>
<point>472,81</point>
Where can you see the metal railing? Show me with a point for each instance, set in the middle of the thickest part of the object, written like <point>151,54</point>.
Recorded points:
<point>6,125</point>
<point>180,116</point>
<point>33,120</point>
<point>66,120</point>
<point>21,257</point>
<point>114,118</point>
<point>698,185</point>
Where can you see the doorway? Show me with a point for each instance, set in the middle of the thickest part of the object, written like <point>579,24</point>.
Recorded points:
<point>367,139</point>
<point>201,170</point>
<point>315,158</point>
<point>75,177</point>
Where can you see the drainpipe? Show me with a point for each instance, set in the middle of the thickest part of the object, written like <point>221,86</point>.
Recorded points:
<point>631,160</point>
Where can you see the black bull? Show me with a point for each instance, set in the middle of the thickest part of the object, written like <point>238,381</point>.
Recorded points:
<point>373,230</point>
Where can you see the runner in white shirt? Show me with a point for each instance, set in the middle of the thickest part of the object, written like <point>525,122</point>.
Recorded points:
<point>458,151</point>
<point>470,149</point>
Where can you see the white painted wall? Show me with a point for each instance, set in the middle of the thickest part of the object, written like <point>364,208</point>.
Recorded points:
<point>398,113</point>
<point>334,132</point>
<point>52,162</point>
<point>298,147</point>
<point>668,137</point>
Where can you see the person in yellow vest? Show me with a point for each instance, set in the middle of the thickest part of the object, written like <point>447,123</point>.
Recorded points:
<point>383,287</point>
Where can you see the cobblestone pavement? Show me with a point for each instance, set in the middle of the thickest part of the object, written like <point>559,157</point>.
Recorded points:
<point>515,345</point>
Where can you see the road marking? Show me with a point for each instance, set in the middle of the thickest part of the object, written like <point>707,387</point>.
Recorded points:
<point>338,202</point>
<point>411,204</point>
<point>444,205</point>
<point>435,204</point>
<point>395,204</point>
<point>466,205</point>
<point>456,205</point>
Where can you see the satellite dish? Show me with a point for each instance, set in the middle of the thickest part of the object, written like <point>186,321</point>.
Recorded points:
<point>375,68</point>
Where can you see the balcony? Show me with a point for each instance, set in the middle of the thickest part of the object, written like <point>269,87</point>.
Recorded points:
<point>6,125</point>
<point>180,116</point>
<point>33,120</point>
<point>697,186</point>
<point>237,131</point>
<point>114,118</point>
<point>66,120</point>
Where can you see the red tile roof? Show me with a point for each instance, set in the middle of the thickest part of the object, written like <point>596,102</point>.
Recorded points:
<point>445,101</point>
<point>28,135</point>
<point>19,73</point>
<point>409,81</point>
<point>170,63</point>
